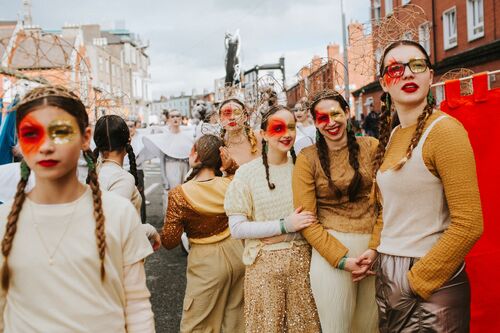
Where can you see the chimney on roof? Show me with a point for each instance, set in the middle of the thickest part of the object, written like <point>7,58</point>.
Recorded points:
<point>27,21</point>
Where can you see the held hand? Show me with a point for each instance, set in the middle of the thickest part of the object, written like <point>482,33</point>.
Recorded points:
<point>299,220</point>
<point>155,242</point>
<point>227,161</point>
<point>366,261</point>
<point>274,239</point>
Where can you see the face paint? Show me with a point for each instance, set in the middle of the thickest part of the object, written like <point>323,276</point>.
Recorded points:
<point>278,127</point>
<point>31,135</point>
<point>61,131</point>
<point>390,81</point>
<point>230,112</point>
<point>328,117</point>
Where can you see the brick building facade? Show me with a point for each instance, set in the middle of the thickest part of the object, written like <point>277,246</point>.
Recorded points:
<point>464,34</point>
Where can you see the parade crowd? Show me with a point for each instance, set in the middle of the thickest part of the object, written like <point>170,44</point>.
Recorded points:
<point>296,221</point>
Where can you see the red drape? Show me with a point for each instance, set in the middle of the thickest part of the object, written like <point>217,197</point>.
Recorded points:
<point>480,115</point>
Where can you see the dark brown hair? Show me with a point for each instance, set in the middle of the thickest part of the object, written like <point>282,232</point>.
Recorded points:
<point>63,99</point>
<point>263,126</point>
<point>352,146</point>
<point>248,131</point>
<point>207,147</point>
<point>111,133</point>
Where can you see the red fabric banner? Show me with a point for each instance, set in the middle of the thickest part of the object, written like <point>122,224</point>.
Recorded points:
<point>479,113</point>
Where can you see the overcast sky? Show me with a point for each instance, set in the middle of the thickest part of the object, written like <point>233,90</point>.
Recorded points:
<point>187,36</point>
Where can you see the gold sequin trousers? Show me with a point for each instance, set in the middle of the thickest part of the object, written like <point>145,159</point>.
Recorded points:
<point>278,296</point>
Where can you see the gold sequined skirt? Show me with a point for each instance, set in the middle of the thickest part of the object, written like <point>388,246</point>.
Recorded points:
<point>278,296</point>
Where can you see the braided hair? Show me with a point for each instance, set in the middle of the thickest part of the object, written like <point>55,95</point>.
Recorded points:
<point>263,126</point>
<point>60,97</point>
<point>111,133</point>
<point>387,123</point>
<point>207,147</point>
<point>356,182</point>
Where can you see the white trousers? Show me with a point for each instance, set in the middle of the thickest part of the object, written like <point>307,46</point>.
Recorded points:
<point>174,172</point>
<point>344,306</point>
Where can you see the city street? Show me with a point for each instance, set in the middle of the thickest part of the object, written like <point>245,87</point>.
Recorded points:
<point>166,270</point>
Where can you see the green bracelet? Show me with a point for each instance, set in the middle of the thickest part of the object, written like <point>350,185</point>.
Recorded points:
<point>342,263</point>
<point>282,226</point>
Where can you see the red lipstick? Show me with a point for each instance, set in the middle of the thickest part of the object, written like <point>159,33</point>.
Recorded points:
<point>410,87</point>
<point>48,163</point>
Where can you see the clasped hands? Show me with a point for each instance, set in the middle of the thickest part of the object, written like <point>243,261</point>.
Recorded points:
<point>361,266</point>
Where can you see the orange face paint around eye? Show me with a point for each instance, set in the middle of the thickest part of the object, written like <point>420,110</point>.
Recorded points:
<point>278,127</point>
<point>390,81</point>
<point>31,135</point>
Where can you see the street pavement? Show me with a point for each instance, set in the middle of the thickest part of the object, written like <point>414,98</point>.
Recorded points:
<point>165,270</point>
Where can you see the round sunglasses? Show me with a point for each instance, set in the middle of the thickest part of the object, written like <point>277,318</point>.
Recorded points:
<point>397,69</point>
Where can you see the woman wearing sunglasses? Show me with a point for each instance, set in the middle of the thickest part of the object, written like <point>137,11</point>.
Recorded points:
<point>425,181</point>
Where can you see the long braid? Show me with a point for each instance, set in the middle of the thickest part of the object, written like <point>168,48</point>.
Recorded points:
<point>11,228</point>
<point>98,215</point>
<point>92,155</point>
<point>133,164</point>
<point>251,138</point>
<point>223,134</point>
<point>325,163</point>
<point>266,165</point>
<point>356,181</point>
<point>385,129</point>
<point>293,154</point>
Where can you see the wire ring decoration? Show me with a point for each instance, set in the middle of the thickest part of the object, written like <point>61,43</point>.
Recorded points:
<point>369,40</point>
<point>459,73</point>
<point>32,57</point>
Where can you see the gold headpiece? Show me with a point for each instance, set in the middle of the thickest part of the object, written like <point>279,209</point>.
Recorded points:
<point>47,91</point>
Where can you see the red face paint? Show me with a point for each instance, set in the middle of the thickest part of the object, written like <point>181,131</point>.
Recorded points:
<point>278,127</point>
<point>31,135</point>
<point>390,81</point>
<point>322,118</point>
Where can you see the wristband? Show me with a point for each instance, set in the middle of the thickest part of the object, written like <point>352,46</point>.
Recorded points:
<point>342,263</point>
<point>282,226</point>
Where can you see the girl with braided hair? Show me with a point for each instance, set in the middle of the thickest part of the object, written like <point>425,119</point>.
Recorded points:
<point>112,140</point>
<point>333,179</point>
<point>53,276</point>
<point>241,143</point>
<point>259,204</point>
<point>426,183</point>
<point>214,292</point>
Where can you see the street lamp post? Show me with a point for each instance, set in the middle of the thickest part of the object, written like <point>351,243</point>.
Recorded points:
<point>346,64</point>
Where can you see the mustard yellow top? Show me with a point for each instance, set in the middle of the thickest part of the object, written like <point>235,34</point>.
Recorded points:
<point>311,191</point>
<point>448,155</point>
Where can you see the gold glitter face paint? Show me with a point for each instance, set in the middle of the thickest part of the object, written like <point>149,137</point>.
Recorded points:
<point>62,131</point>
<point>334,115</point>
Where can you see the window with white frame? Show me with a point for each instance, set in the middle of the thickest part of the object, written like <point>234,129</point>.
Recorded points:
<point>424,36</point>
<point>407,35</point>
<point>450,28</point>
<point>405,2</point>
<point>388,7</point>
<point>475,19</point>
<point>376,10</point>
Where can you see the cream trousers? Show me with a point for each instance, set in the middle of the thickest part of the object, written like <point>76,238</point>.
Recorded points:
<point>344,306</point>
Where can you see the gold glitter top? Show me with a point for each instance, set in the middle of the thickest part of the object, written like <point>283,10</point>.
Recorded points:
<point>311,191</point>
<point>183,215</point>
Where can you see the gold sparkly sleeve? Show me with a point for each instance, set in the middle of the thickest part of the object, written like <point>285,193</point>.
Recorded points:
<point>304,195</point>
<point>172,226</point>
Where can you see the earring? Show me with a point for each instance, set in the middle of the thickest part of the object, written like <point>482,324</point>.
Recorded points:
<point>388,101</point>
<point>89,160</point>
<point>430,98</point>
<point>25,171</point>
<point>318,136</point>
